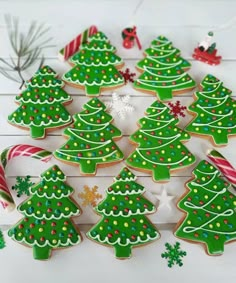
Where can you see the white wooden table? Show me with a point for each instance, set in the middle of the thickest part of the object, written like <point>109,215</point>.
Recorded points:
<point>183,22</point>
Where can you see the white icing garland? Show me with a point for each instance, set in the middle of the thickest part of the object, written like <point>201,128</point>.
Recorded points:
<point>47,242</point>
<point>128,242</point>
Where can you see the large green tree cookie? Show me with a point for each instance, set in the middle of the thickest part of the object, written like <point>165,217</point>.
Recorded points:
<point>91,139</point>
<point>42,104</point>
<point>214,111</point>
<point>95,66</point>
<point>163,70</point>
<point>124,224</point>
<point>160,148</point>
<point>47,214</point>
<point>210,210</point>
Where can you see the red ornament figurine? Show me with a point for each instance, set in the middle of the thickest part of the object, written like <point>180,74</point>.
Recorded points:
<point>129,35</point>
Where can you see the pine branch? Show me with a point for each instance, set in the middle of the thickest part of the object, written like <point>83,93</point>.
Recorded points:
<point>27,47</point>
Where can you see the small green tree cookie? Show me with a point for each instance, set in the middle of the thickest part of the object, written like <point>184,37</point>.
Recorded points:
<point>163,70</point>
<point>124,224</point>
<point>95,66</point>
<point>210,210</point>
<point>215,112</point>
<point>46,224</point>
<point>42,104</point>
<point>91,139</point>
<point>160,149</point>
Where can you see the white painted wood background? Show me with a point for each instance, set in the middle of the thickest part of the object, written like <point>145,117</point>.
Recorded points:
<point>183,22</point>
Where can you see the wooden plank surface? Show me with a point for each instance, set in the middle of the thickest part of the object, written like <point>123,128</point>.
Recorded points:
<point>183,22</point>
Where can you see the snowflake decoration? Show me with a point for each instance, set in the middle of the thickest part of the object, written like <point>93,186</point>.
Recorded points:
<point>120,105</point>
<point>2,241</point>
<point>23,185</point>
<point>174,254</point>
<point>177,109</point>
<point>127,75</point>
<point>90,196</point>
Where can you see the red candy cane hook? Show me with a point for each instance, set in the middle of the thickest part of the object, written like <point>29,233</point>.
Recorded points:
<point>9,153</point>
<point>224,166</point>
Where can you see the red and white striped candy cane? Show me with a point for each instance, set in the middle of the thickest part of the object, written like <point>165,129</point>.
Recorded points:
<point>72,47</point>
<point>9,153</point>
<point>224,166</point>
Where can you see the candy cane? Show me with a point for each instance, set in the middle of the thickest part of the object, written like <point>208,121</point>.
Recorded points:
<point>9,153</point>
<point>72,47</point>
<point>224,166</point>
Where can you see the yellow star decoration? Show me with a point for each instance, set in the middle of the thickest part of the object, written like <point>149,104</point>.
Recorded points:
<point>90,196</point>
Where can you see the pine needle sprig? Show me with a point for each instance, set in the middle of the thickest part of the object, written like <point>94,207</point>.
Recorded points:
<point>27,48</point>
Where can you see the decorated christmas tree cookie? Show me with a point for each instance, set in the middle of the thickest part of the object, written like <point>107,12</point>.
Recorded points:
<point>124,224</point>
<point>42,104</point>
<point>214,111</point>
<point>163,70</point>
<point>160,149</point>
<point>91,138</point>
<point>47,214</point>
<point>210,210</point>
<point>95,66</point>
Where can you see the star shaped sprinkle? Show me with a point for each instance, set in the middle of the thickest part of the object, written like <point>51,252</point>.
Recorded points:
<point>177,109</point>
<point>174,254</point>
<point>119,105</point>
<point>164,199</point>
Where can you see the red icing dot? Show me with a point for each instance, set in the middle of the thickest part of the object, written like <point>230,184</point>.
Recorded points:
<point>66,223</point>
<point>59,203</point>
<point>127,186</point>
<point>133,237</point>
<point>117,231</point>
<point>126,210</point>
<point>115,207</point>
<point>53,232</point>
<point>31,118</point>
<point>144,226</point>
<point>53,224</point>
<point>43,222</point>
<point>21,226</point>
<point>109,235</point>
<point>26,219</point>
<point>31,237</point>
<point>196,235</point>
<point>49,210</point>
<point>133,220</point>
<point>70,235</point>
<point>106,220</point>
<point>42,239</point>
<point>217,237</point>
<point>32,225</point>
<point>39,204</point>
